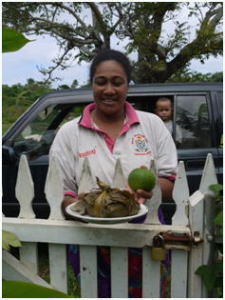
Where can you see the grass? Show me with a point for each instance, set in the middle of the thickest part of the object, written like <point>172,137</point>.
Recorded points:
<point>43,272</point>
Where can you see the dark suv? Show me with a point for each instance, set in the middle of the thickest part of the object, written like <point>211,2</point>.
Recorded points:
<point>197,111</point>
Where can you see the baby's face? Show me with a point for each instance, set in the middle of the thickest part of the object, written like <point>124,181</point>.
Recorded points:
<point>164,110</point>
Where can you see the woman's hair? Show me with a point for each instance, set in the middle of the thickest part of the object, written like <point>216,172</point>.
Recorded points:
<point>109,54</point>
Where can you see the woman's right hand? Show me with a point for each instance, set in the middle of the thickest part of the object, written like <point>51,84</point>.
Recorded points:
<point>141,196</point>
<point>67,200</point>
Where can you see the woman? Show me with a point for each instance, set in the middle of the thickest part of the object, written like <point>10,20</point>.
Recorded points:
<point>109,129</point>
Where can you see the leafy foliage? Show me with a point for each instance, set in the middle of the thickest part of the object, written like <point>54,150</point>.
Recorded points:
<point>12,40</point>
<point>19,289</point>
<point>218,220</point>
<point>83,28</point>
<point>185,75</point>
<point>17,98</point>
<point>9,239</point>
<point>212,274</point>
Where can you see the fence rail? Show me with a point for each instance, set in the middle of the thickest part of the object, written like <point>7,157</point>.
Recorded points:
<point>188,219</point>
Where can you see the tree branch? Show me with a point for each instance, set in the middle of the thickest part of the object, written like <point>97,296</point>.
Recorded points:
<point>61,5</point>
<point>64,31</point>
<point>50,70</point>
<point>102,26</point>
<point>206,42</point>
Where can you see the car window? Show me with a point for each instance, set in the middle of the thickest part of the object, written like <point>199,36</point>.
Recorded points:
<point>37,137</point>
<point>219,120</point>
<point>192,117</point>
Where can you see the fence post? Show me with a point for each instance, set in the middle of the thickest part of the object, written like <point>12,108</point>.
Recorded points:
<point>119,180</point>
<point>201,217</point>
<point>179,258</point>
<point>87,180</point>
<point>196,212</point>
<point>54,190</point>
<point>119,255</point>
<point>208,178</point>
<point>154,203</point>
<point>25,194</point>
<point>25,189</point>
<point>57,252</point>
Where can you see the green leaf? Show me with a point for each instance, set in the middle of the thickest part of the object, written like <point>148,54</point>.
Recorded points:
<point>12,40</point>
<point>20,289</point>
<point>219,219</point>
<point>217,189</point>
<point>208,275</point>
<point>9,239</point>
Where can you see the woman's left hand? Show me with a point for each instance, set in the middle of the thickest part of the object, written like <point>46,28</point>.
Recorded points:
<point>141,196</point>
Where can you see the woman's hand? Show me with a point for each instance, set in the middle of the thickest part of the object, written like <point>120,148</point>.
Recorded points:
<point>141,196</point>
<point>67,200</point>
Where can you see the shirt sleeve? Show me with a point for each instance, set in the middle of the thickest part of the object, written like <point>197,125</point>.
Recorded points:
<point>165,152</point>
<point>167,157</point>
<point>62,150</point>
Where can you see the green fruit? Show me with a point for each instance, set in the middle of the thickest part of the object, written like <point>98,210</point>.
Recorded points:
<point>141,178</point>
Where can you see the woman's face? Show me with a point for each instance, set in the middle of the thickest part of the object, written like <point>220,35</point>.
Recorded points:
<point>110,87</point>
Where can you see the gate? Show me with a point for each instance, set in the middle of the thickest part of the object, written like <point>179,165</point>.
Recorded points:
<point>188,238</point>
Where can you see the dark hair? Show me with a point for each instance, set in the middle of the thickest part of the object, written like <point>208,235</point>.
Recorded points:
<point>163,98</point>
<point>109,54</point>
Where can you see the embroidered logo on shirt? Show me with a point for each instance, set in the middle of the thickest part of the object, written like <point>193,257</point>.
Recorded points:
<point>141,145</point>
<point>87,153</point>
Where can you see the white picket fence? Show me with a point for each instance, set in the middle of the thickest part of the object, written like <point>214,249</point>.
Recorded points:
<point>190,218</point>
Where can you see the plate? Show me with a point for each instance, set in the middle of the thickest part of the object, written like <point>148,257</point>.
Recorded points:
<point>69,209</point>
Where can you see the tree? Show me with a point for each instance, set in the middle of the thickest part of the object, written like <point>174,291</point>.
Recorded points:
<point>185,75</point>
<point>82,28</point>
<point>17,98</point>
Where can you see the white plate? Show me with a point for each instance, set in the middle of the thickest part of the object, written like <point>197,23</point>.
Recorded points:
<point>142,211</point>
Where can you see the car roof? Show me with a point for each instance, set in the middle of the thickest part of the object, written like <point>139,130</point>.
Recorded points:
<point>146,88</point>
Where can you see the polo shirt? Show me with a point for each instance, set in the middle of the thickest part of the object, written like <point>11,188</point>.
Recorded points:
<point>143,138</point>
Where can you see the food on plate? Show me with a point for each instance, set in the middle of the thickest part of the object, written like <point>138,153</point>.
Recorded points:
<point>107,202</point>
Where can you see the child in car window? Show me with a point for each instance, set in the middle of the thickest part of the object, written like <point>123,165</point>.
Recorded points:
<point>164,109</point>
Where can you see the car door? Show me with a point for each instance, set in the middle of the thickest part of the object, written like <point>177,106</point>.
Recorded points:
<point>195,117</point>
<point>33,137</point>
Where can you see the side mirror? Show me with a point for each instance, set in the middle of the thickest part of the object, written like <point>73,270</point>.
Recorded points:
<point>8,155</point>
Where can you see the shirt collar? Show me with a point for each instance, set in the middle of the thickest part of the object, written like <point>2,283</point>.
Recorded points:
<point>85,120</point>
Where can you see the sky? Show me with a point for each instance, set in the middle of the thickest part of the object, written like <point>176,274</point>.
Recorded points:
<point>18,66</point>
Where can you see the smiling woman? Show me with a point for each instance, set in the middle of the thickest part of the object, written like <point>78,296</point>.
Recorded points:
<point>107,130</point>
<point>110,91</point>
<point>109,76</point>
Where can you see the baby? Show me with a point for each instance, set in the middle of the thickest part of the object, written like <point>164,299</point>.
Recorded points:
<point>164,109</point>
